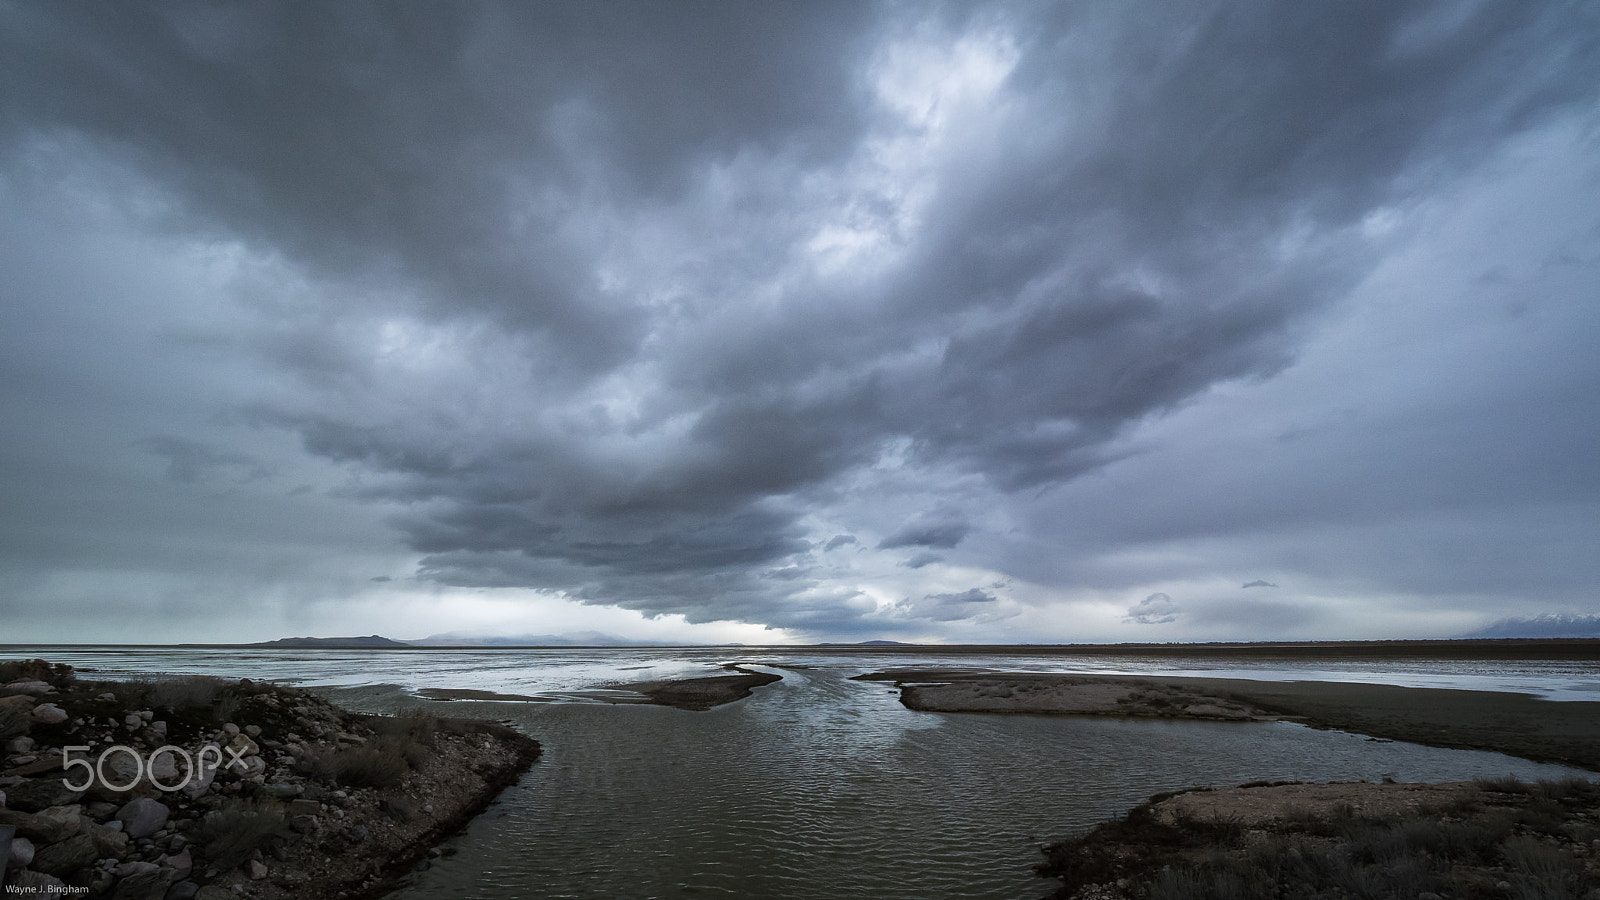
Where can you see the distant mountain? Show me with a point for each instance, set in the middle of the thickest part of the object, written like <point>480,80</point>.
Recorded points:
<point>871,644</point>
<point>571,639</point>
<point>1545,626</point>
<point>333,643</point>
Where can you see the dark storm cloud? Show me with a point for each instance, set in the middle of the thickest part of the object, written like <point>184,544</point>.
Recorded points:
<point>609,214</point>
<point>840,540</point>
<point>943,534</point>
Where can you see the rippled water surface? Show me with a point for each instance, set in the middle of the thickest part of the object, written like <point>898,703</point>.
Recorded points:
<point>822,787</point>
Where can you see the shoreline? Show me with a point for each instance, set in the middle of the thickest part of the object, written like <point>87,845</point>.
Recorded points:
<point>267,791</point>
<point>1566,732</point>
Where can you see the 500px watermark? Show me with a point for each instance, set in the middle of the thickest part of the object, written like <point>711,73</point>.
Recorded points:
<point>145,768</point>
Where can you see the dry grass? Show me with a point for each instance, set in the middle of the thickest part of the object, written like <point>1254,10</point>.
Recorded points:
<point>1532,837</point>
<point>230,835</point>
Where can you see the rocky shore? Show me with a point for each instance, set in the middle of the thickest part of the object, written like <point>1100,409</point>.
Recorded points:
<point>200,787</point>
<point>1497,838</point>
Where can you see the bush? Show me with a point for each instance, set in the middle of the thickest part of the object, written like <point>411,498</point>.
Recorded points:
<point>230,835</point>
<point>34,670</point>
<point>14,721</point>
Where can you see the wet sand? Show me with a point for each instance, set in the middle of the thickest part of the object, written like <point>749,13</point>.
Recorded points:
<point>1517,724</point>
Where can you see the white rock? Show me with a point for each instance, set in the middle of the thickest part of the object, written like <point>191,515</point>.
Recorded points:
<point>30,687</point>
<point>21,852</point>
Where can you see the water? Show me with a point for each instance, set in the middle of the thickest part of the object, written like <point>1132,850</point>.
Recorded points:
<point>819,786</point>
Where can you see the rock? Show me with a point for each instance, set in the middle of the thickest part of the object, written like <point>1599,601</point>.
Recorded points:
<point>348,738</point>
<point>21,853</point>
<point>147,714</point>
<point>110,843</point>
<point>2,799</point>
<point>181,864</point>
<point>40,793</point>
<point>213,892</point>
<point>100,810</point>
<point>132,721</point>
<point>45,826</point>
<point>243,746</point>
<point>143,886</point>
<point>230,729</point>
<point>49,714</point>
<point>305,808</point>
<point>36,688</point>
<point>252,767</point>
<point>19,745</point>
<point>258,870</point>
<point>27,881</point>
<point>182,890</point>
<point>303,824</point>
<point>163,767</point>
<point>143,817</point>
<point>282,791</point>
<point>66,857</point>
<point>253,730</point>
<point>134,867</point>
<point>107,696</point>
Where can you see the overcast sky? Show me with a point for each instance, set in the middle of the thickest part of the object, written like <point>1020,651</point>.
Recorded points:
<point>1091,321</point>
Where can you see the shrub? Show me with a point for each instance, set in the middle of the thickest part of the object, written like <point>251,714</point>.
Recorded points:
<point>188,692</point>
<point>230,835</point>
<point>14,720</point>
<point>34,670</point>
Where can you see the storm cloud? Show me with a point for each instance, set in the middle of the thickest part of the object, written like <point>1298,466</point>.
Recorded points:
<point>660,308</point>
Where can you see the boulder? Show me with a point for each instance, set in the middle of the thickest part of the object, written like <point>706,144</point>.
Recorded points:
<point>27,881</point>
<point>243,746</point>
<point>143,817</point>
<point>258,870</point>
<point>19,745</point>
<point>65,857</point>
<point>40,793</point>
<point>21,853</point>
<point>180,864</point>
<point>134,867</point>
<point>143,886</point>
<point>110,843</point>
<point>49,714</point>
<point>35,688</point>
<point>183,890</point>
<point>45,826</point>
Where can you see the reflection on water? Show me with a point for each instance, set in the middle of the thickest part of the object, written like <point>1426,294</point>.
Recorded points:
<point>819,786</point>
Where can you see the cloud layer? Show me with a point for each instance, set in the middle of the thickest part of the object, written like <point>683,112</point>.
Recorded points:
<point>787,316</point>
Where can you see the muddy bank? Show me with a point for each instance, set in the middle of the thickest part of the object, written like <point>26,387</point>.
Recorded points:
<point>274,791</point>
<point>1495,838</point>
<point>933,690</point>
<point>1517,724</point>
<point>701,694</point>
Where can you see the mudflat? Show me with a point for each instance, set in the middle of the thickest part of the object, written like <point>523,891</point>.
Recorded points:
<point>1517,724</point>
<point>700,694</point>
